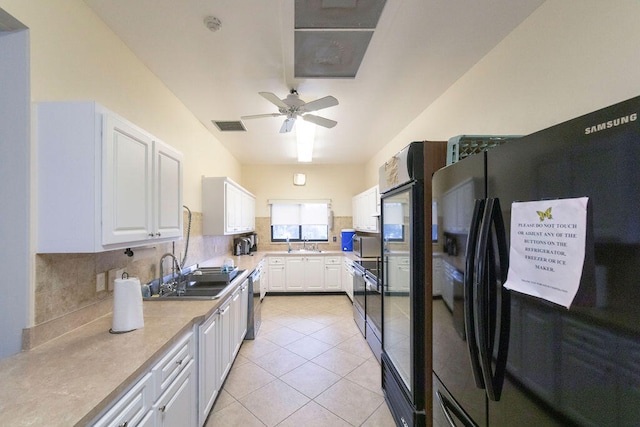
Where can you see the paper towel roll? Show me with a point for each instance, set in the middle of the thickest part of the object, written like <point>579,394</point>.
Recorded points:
<point>127,305</point>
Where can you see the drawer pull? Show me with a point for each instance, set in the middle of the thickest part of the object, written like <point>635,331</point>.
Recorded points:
<point>124,424</point>
<point>162,408</point>
<point>179,362</point>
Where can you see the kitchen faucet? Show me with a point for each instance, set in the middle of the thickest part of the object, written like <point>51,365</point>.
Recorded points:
<point>168,287</point>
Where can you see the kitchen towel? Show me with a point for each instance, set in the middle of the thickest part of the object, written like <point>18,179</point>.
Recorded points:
<point>127,305</point>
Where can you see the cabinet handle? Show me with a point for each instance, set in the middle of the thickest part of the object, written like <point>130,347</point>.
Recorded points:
<point>179,362</point>
<point>158,234</point>
<point>124,424</point>
<point>162,408</point>
<point>150,234</point>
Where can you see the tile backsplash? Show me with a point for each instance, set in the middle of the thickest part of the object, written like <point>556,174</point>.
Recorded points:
<point>66,296</point>
<point>65,291</point>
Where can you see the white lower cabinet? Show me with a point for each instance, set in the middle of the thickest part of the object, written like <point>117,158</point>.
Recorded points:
<point>225,333</point>
<point>181,388</point>
<point>276,274</point>
<point>177,406</point>
<point>304,274</point>
<point>333,273</point>
<point>347,277</point>
<point>164,396</point>
<point>133,408</point>
<point>208,361</point>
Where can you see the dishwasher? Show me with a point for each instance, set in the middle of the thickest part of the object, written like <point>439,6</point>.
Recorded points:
<point>255,301</point>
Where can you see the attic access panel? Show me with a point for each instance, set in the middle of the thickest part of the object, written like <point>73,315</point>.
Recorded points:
<point>337,14</point>
<point>329,54</point>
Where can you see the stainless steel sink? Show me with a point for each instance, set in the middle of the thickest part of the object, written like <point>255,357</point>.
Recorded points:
<point>200,292</point>
<point>199,288</point>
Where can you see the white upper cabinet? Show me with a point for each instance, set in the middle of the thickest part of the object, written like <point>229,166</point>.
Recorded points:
<point>227,208</point>
<point>366,210</point>
<point>103,183</point>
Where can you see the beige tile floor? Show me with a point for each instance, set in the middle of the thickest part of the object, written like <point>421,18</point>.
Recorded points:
<point>309,366</point>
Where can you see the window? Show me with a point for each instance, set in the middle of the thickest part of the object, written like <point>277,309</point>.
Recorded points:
<point>298,221</point>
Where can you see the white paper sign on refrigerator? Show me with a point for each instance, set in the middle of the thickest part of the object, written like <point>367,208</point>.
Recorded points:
<point>548,240</point>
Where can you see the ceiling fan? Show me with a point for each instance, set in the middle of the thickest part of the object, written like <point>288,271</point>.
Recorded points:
<point>292,107</point>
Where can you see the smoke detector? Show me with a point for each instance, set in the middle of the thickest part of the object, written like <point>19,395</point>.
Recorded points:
<point>212,23</point>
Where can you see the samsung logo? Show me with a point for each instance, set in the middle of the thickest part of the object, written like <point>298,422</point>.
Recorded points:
<point>611,123</point>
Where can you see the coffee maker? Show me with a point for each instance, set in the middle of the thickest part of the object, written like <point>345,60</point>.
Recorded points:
<point>253,242</point>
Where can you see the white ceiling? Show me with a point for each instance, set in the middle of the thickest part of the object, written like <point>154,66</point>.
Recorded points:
<point>418,50</point>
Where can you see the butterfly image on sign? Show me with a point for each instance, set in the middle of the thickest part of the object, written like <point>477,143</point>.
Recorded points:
<point>545,214</point>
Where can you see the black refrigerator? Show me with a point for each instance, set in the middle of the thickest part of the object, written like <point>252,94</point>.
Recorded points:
<point>506,358</point>
<point>406,235</point>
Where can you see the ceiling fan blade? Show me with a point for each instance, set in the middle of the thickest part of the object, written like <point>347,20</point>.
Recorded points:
<point>273,99</point>
<point>321,121</point>
<point>287,125</point>
<point>319,104</point>
<point>258,116</point>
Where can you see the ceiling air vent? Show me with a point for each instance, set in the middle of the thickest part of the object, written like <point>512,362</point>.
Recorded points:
<point>229,126</point>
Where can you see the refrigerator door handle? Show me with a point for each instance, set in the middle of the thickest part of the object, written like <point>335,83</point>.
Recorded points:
<point>484,293</point>
<point>449,407</point>
<point>469,310</point>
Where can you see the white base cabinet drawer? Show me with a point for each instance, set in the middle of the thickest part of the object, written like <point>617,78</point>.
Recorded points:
<point>177,406</point>
<point>170,366</point>
<point>133,408</point>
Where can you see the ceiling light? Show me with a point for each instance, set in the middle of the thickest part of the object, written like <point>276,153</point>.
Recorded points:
<point>305,135</point>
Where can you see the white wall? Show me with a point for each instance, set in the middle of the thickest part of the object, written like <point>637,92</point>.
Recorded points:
<point>336,182</point>
<point>14,186</point>
<point>568,58</point>
<point>75,56</point>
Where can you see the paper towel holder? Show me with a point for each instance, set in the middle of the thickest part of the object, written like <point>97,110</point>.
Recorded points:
<point>125,275</point>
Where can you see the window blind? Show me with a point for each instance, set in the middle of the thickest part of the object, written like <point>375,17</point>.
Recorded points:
<point>299,214</point>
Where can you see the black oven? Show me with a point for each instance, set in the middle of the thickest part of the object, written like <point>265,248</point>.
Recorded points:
<point>373,296</point>
<point>359,300</point>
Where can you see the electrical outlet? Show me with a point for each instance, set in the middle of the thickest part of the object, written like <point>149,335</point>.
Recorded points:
<point>100,286</point>
<point>111,278</point>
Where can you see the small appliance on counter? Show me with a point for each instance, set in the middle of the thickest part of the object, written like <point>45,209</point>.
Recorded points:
<point>241,246</point>
<point>366,246</point>
<point>253,241</point>
<point>347,239</point>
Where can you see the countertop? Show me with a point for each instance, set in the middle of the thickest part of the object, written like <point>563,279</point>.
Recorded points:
<point>71,379</point>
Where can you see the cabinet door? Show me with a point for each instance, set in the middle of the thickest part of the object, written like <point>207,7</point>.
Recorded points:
<point>127,164</point>
<point>438,276</point>
<point>224,342</point>
<point>347,278</point>
<point>244,309</point>
<point>233,204</point>
<point>276,278</point>
<point>177,406</point>
<point>131,408</point>
<point>332,278</point>
<point>209,379</point>
<point>371,205</point>
<point>313,274</point>
<point>248,212</point>
<point>294,280</point>
<point>168,191</point>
